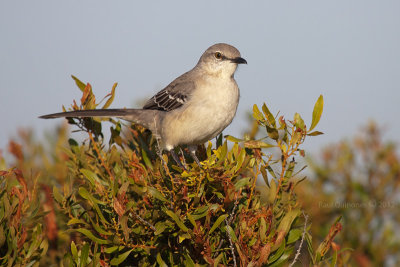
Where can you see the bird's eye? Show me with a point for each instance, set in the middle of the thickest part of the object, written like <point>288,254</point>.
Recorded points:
<point>218,55</point>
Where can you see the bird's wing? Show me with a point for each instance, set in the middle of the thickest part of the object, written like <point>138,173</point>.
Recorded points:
<point>173,96</point>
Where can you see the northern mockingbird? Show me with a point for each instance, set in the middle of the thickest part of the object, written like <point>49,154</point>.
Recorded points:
<point>192,109</point>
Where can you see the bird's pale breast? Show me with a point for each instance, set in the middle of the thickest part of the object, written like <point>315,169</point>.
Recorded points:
<point>212,111</point>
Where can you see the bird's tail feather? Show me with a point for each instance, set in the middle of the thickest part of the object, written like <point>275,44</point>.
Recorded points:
<point>146,118</point>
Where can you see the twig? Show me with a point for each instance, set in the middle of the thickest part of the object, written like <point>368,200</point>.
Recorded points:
<point>230,221</point>
<point>100,157</point>
<point>230,243</point>
<point>302,240</point>
<point>143,221</point>
<point>233,210</point>
<point>159,153</point>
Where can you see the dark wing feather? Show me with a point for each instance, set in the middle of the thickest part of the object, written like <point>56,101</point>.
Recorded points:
<point>173,96</point>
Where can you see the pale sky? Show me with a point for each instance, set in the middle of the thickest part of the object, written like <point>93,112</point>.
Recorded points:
<point>348,51</point>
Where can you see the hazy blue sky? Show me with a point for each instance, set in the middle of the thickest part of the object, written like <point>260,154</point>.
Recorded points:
<point>349,51</point>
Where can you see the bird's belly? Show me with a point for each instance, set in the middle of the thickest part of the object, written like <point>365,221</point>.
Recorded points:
<point>203,120</point>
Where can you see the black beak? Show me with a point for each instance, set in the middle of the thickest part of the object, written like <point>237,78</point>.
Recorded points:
<point>239,60</point>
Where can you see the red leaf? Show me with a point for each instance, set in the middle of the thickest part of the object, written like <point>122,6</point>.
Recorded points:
<point>16,149</point>
<point>119,207</point>
<point>50,217</point>
<point>21,180</point>
<point>264,254</point>
<point>22,238</point>
<point>86,93</point>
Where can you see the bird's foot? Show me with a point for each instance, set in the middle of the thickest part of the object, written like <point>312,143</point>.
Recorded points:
<point>177,160</point>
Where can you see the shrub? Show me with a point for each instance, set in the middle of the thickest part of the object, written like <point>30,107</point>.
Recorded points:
<point>122,204</point>
<point>358,179</point>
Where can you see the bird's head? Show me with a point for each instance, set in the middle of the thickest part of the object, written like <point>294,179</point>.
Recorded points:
<point>221,59</point>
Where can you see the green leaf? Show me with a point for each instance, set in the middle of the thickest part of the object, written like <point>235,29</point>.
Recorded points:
<point>86,195</point>
<point>294,235</point>
<point>272,191</point>
<point>218,259</point>
<point>160,227</point>
<point>111,99</point>
<point>278,253</point>
<point>263,229</point>
<point>272,132</point>
<point>44,246</point>
<point>34,245</point>
<point>298,121</point>
<point>290,168</point>
<point>264,175</point>
<point>241,183</point>
<point>334,258</point>
<point>91,176</point>
<point>287,220</point>
<point>121,257</point>
<point>57,196</point>
<point>296,137</point>
<point>221,152</point>
<point>177,220</point>
<point>268,115</point>
<point>240,159</point>
<point>192,220</point>
<point>111,249</point>
<point>182,237</point>
<point>84,254</point>
<point>315,133</point>
<point>209,149</point>
<point>218,141</point>
<point>233,139</point>
<point>257,144</point>
<point>78,82</point>
<point>74,147</point>
<point>317,112</point>
<point>317,257</point>
<point>75,221</point>
<point>271,171</point>
<point>188,260</point>
<point>217,223</point>
<point>310,249</point>
<point>100,230</point>
<point>284,257</point>
<point>156,194</point>
<point>200,212</point>
<point>74,251</point>
<point>146,159</point>
<point>160,261</point>
<point>257,114</point>
<point>231,233</point>
<point>92,237</point>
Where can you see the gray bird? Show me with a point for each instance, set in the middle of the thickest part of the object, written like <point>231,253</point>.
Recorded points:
<point>192,109</point>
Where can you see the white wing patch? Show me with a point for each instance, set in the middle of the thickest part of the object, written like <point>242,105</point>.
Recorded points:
<point>166,100</point>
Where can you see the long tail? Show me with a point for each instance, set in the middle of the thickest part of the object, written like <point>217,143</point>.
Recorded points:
<point>145,117</point>
<point>90,113</point>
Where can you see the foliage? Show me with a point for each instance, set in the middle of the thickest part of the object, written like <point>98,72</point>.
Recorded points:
<point>359,179</point>
<point>122,204</point>
<point>20,243</point>
<point>28,218</point>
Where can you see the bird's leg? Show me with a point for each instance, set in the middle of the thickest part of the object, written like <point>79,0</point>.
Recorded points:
<point>176,158</point>
<point>159,152</point>
<point>192,150</point>
<point>183,156</point>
